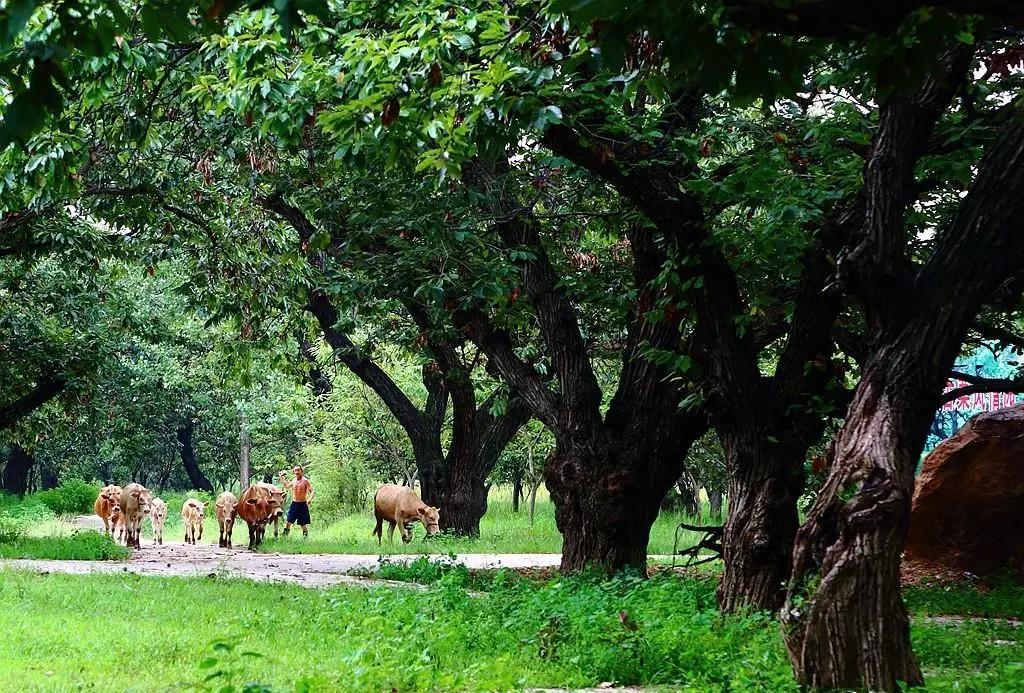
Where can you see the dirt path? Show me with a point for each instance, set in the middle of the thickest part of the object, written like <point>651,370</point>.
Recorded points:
<point>176,558</point>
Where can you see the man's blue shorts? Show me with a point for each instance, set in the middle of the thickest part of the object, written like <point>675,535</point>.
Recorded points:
<point>298,513</point>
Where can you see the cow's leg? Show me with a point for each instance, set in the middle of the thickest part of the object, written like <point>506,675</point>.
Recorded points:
<point>379,529</point>
<point>200,537</point>
<point>406,533</point>
<point>391,532</point>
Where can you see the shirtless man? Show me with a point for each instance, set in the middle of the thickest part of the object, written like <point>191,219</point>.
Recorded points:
<point>302,494</point>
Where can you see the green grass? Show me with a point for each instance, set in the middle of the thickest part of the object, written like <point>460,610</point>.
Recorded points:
<point>501,531</point>
<point>1002,598</point>
<point>84,545</point>
<point>174,632</point>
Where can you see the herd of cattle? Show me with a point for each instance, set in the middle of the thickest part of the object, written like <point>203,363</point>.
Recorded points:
<point>123,511</point>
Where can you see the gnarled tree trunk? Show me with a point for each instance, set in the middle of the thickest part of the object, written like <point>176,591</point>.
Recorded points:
<point>846,626</point>
<point>849,626</point>
<point>608,493</point>
<point>757,542</point>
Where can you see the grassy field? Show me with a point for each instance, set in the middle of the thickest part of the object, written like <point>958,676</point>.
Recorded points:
<point>208,633</point>
<point>45,535</point>
<point>501,531</point>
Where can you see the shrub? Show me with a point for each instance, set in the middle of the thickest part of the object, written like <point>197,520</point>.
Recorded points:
<point>11,529</point>
<point>70,498</point>
<point>28,510</point>
<point>346,485</point>
<point>85,545</point>
<point>425,570</point>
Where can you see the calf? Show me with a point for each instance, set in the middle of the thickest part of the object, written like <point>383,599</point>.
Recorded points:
<point>398,505</point>
<point>135,506</point>
<point>108,507</point>
<point>193,513</point>
<point>225,510</point>
<point>255,510</point>
<point>275,496</point>
<point>158,516</point>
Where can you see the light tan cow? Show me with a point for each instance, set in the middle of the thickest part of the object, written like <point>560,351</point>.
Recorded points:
<point>275,496</point>
<point>135,501</point>
<point>108,507</point>
<point>157,517</point>
<point>193,512</point>
<point>399,505</point>
<point>225,509</point>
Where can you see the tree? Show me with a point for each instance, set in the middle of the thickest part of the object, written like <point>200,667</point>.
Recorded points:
<point>854,535</point>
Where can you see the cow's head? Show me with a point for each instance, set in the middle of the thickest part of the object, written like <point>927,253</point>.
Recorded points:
<point>431,519</point>
<point>143,499</point>
<point>158,511</point>
<point>258,506</point>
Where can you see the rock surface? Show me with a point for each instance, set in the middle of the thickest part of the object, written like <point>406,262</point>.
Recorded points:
<point>968,512</point>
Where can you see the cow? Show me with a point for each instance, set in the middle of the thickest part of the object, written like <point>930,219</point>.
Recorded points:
<point>135,506</point>
<point>108,507</point>
<point>225,509</point>
<point>255,509</point>
<point>398,505</point>
<point>275,496</point>
<point>193,513</point>
<point>157,517</point>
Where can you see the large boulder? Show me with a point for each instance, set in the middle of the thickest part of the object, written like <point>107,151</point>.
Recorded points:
<point>968,512</point>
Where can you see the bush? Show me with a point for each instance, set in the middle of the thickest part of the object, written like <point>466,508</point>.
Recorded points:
<point>425,570</point>
<point>344,485</point>
<point>28,510</point>
<point>11,529</point>
<point>85,545</point>
<point>70,498</point>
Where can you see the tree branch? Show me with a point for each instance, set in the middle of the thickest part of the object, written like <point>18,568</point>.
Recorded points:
<point>46,388</point>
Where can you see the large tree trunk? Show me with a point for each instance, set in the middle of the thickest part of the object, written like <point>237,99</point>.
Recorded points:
<point>17,470</point>
<point>846,626</point>
<point>849,626</point>
<point>607,496</point>
<point>757,542</point>
<point>430,468</point>
<point>464,503</point>
<point>196,478</point>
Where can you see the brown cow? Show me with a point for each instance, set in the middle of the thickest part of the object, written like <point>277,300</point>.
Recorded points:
<point>108,507</point>
<point>225,510</point>
<point>400,505</point>
<point>275,496</point>
<point>193,513</point>
<point>255,510</point>
<point>134,509</point>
